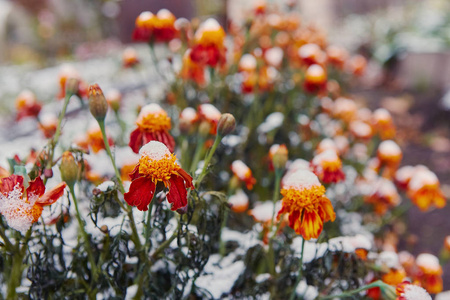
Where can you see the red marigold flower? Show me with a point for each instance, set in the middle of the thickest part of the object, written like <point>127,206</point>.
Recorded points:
<point>243,172</point>
<point>27,105</point>
<point>305,201</point>
<point>389,154</point>
<point>328,167</point>
<point>144,25</point>
<point>210,114</point>
<point>311,54</point>
<point>94,139</point>
<point>345,109</point>
<point>192,70</point>
<point>239,202</point>
<point>164,27</point>
<point>68,74</point>
<point>158,165</point>
<point>48,124</point>
<point>129,57</point>
<point>209,48</point>
<point>153,124</point>
<point>315,79</point>
<point>21,212</point>
<point>424,190</point>
<point>188,117</point>
<point>430,275</point>
<point>357,65</point>
<point>383,196</point>
<point>383,124</point>
<point>409,291</point>
<point>337,56</point>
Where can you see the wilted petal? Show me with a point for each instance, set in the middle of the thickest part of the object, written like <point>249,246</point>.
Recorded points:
<point>312,225</point>
<point>53,195</point>
<point>177,193</point>
<point>7,184</point>
<point>141,193</point>
<point>36,187</point>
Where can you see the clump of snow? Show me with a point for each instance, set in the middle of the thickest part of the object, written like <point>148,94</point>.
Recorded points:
<point>360,129</point>
<point>308,292</point>
<point>428,261</point>
<point>105,185</point>
<point>415,292</point>
<point>301,179</point>
<point>315,70</point>
<point>381,114</point>
<point>326,156</point>
<point>189,114</point>
<point>273,121</point>
<point>240,169</point>
<point>308,50</point>
<point>274,56</point>
<point>264,211</point>
<point>326,144</point>
<point>48,119</point>
<point>421,179</point>
<point>154,150</point>
<point>389,148</point>
<point>262,277</point>
<point>210,112</point>
<point>238,199</point>
<point>219,275</point>
<point>232,140</point>
<point>389,259</point>
<point>404,173</point>
<point>210,25</point>
<point>16,210</point>
<point>164,14</point>
<point>443,296</point>
<point>247,62</point>
<point>151,108</point>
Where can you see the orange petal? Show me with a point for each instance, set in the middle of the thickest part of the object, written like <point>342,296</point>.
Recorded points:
<point>51,196</point>
<point>36,187</point>
<point>7,184</point>
<point>312,225</point>
<point>187,178</point>
<point>326,211</point>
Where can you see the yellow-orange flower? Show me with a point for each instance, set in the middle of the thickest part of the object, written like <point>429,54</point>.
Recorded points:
<point>409,291</point>
<point>383,124</point>
<point>424,190</point>
<point>315,79</point>
<point>389,154</point>
<point>430,275</point>
<point>238,202</point>
<point>129,58</point>
<point>153,124</point>
<point>383,196</point>
<point>394,276</point>
<point>48,124</point>
<point>305,201</point>
<point>209,48</point>
<point>243,172</point>
<point>345,109</point>
<point>191,70</point>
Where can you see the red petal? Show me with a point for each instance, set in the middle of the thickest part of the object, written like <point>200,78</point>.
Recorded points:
<point>135,174</point>
<point>177,195</point>
<point>36,187</point>
<point>7,184</point>
<point>53,195</point>
<point>187,178</point>
<point>141,193</point>
<point>135,140</point>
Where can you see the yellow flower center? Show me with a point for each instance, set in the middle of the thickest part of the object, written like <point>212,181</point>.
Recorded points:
<point>159,170</point>
<point>154,122</point>
<point>308,198</point>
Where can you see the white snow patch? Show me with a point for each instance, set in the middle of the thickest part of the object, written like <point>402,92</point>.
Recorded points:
<point>154,150</point>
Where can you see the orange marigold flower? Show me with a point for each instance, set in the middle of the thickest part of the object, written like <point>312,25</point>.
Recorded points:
<point>328,167</point>
<point>21,212</point>
<point>447,243</point>
<point>278,155</point>
<point>153,124</point>
<point>394,276</point>
<point>337,56</point>
<point>192,70</point>
<point>243,172</point>
<point>311,54</point>
<point>315,79</point>
<point>357,65</point>
<point>383,124</point>
<point>114,99</point>
<point>68,74</point>
<point>384,195</point>
<point>345,109</point>
<point>157,168</point>
<point>210,114</point>
<point>409,291</point>
<point>27,105</point>
<point>129,58</point>
<point>209,48</point>
<point>188,117</point>
<point>144,25</point>
<point>239,202</point>
<point>94,139</point>
<point>389,154</point>
<point>430,275</point>
<point>247,63</point>
<point>360,130</point>
<point>305,201</point>
<point>424,190</point>
<point>48,124</point>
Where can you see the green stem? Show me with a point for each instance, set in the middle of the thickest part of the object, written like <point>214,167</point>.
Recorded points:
<point>300,272</point>
<point>9,246</point>
<point>149,224</point>
<point>165,244</point>
<point>198,153</point>
<point>15,277</point>
<point>378,283</point>
<point>222,226</point>
<point>123,126</point>
<point>87,242</point>
<point>208,159</point>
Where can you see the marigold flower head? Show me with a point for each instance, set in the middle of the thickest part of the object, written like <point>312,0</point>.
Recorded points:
<point>239,202</point>
<point>209,46</point>
<point>315,79</point>
<point>409,291</point>
<point>311,54</point>
<point>94,139</point>
<point>345,109</point>
<point>278,155</point>
<point>48,124</point>
<point>144,25</point>
<point>305,201</point>
<point>394,276</point>
<point>164,26</point>
<point>430,275</point>
<point>424,190</point>
<point>383,124</point>
<point>326,144</point>
<point>22,207</point>
<point>389,153</point>
<point>274,56</point>
<point>383,196</point>
<point>403,175</point>
<point>247,63</point>
<point>188,117</point>
<point>153,124</point>
<point>97,102</point>
<point>27,105</point>
<point>114,99</point>
<point>337,56</point>
<point>360,130</point>
<point>328,167</point>
<point>292,167</point>
<point>357,65</point>
<point>130,57</point>
<point>70,82</point>
<point>243,172</point>
<point>157,168</point>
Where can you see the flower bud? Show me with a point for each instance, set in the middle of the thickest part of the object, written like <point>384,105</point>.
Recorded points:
<point>97,102</point>
<point>227,123</point>
<point>279,156</point>
<point>69,169</point>
<point>72,86</point>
